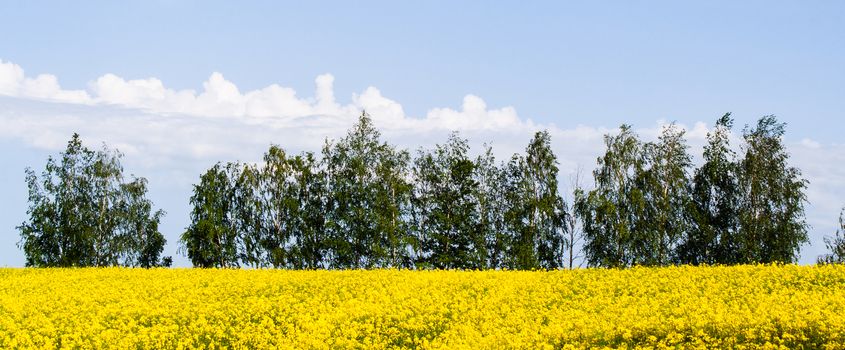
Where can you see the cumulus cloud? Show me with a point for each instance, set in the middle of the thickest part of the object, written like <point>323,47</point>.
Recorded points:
<point>274,104</point>
<point>172,135</point>
<point>14,83</point>
<point>474,114</point>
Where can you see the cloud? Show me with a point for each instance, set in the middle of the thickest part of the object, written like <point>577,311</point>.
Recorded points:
<point>171,136</point>
<point>475,115</point>
<point>13,82</point>
<point>273,105</point>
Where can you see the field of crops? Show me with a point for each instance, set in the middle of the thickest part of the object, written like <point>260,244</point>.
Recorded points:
<point>706,307</point>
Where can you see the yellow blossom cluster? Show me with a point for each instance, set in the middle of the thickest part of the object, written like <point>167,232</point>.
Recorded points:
<point>764,306</point>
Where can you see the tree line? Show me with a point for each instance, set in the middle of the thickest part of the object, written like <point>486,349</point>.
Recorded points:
<point>363,203</point>
<point>367,204</point>
<point>650,208</point>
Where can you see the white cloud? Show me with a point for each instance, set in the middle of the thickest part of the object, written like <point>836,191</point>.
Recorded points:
<point>172,135</point>
<point>14,83</point>
<point>383,109</point>
<point>11,78</point>
<point>475,115</point>
<point>274,104</point>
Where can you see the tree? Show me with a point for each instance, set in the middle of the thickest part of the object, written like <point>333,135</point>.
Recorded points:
<point>491,208</point>
<point>539,240</point>
<point>308,230</point>
<point>365,180</point>
<point>446,209</point>
<point>140,226</point>
<point>516,210</point>
<point>211,238</point>
<point>715,196</point>
<point>664,183</point>
<point>771,210</point>
<point>246,212</point>
<point>278,207</point>
<point>82,213</point>
<point>614,210</point>
<point>572,221</point>
<point>835,244</point>
<point>267,215</point>
<point>393,201</point>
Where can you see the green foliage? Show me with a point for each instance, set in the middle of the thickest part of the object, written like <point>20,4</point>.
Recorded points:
<point>615,210</point>
<point>538,211</point>
<point>139,224</point>
<point>712,214</point>
<point>348,210</point>
<point>446,210</point>
<point>665,187</point>
<point>290,210</point>
<point>835,244</point>
<point>645,210</point>
<point>368,194</point>
<point>490,195</point>
<point>366,204</point>
<point>272,215</point>
<point>308,249</point>
<point>82,213</point>
<point>771,210</point>
<point>247,207</point>
<point>392,207</point>
<point>211,238</point>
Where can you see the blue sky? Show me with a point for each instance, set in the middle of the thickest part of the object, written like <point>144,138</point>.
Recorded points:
<point>494,70</point>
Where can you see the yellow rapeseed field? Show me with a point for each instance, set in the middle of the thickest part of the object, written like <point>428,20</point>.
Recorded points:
<point>784,306</point>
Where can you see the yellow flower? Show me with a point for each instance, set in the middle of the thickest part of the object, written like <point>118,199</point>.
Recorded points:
<point>761,306</point>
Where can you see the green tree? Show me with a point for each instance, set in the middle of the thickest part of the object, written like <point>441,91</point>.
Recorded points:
<point>246,209</point>
<point>308,248</point>
<point>82,213</point>
<point>365,206</point>
<point>715,195</point>
<point>212,237</point>
<point>291,199</point>
<point>424,204</point>
<point>835,244</point>
<point>267,215</point>
<point>393,201</point>
<point>446,208</point>
<point>519,238</point>
<point>665,186</point>
<point>771,210</point>
<point>572,222</point>
<point>139,223</point>
<point>538,240</point>
<point>278,207</point>
<point>613,211</point>
<point>491,208</point>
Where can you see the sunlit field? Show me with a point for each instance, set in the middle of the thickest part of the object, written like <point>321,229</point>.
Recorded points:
<point>691,307</point>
